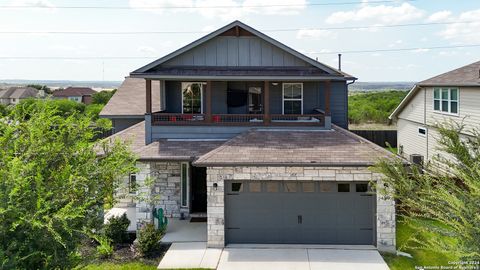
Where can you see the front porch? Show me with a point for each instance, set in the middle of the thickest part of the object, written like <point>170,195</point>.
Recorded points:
<point>185,231</point>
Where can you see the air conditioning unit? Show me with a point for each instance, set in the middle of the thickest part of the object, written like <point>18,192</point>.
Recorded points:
<point>416,159</point>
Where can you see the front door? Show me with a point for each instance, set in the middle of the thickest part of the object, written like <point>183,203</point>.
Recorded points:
<point>199,190</point>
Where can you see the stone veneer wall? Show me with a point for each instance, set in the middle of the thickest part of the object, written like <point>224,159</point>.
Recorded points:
<point>215,210</point>
<point>167,185</point>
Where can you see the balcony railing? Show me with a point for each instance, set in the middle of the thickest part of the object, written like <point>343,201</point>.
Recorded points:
<point>159,119</point>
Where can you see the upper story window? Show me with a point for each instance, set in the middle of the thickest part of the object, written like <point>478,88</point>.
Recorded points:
<point>445,100</point>
<point>293,98</point>
<point>192,97</point>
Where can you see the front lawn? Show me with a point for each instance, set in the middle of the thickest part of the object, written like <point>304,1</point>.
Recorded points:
<point>120,266</point>
<point>420,257</point>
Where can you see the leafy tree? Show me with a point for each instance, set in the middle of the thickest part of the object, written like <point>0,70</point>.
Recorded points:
<point>103,97</point>
<point>373,107</point>
<point>3,110</point>
<point>54,184</point>
<point>93,110</point>
<point>63,107</point>
<point>444,200</point>
<point>41,87</point>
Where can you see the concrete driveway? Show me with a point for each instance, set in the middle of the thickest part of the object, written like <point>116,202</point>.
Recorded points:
<point>300,259</point>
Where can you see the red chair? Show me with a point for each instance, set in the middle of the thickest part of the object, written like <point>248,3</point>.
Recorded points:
<point>188,117</point>
<point>216,119</point>
<point>173,119</point>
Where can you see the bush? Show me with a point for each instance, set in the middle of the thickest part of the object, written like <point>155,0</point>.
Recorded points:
<point>104,248</point>
<point>116,229</point>
<point>149,239</point>
<point>373,107</point>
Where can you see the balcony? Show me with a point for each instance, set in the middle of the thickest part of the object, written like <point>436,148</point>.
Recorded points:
<point>165,119</point>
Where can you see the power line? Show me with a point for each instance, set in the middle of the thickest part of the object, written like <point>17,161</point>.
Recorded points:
<point>201,7</point>
<point>150,57</point>
<point>265,30</point>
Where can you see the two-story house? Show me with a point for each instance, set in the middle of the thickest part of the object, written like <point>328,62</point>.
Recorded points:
<point>451,97</point>
<point>250,133</point>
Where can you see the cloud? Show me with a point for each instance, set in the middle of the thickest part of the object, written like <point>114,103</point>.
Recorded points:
<point>395,43</point>
<point>43,4</point>
<point>172,5</point>
<point>463,32</point>
<point>381,13</point>
<point>147,50</point>
<point>315,34</point>
<point>440,16</point>
<point>226,10</point>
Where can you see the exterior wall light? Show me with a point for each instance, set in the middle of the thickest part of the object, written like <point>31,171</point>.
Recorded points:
<point>275,83</point>
<point>215,186</point>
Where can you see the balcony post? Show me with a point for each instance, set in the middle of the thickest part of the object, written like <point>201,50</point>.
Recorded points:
<point>148,89</point>
<point>148,111</point>
<point>328,117</point>
<point>208,105</point>
<point>266,102</point>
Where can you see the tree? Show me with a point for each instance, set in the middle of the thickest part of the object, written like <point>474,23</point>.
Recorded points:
<point>41,87</point>
<point>54,183</point>
<point>442,200</point>
<point>103,97</point>
<point>62,107</point>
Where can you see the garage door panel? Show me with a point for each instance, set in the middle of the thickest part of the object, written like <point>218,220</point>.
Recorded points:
<point>279,213</point>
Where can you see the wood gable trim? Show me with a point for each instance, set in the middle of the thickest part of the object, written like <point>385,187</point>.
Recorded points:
<point>238,28</point>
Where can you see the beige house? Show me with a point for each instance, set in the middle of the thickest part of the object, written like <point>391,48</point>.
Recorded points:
<point>14,95</point>
<point>450,97</point>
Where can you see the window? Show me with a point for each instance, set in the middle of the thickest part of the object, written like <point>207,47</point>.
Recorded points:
<point>445,100</point>
<point>192,97</point>
<point>184,184</point>
<point>255,187</point>
<point>290,187</point>
<point>293,98</point>
<point>361,187</point>
<point>132,183</point>
<point>237,187</point>
<point>255,100</point>
<point>343,187</point>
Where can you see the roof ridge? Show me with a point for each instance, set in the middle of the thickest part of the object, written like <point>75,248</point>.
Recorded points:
<point>222,146</point>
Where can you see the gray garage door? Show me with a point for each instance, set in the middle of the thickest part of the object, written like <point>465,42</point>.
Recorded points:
<point>287,212</point>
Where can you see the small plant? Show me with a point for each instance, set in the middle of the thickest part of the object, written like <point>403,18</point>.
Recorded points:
<point>104,248</point>
<point>116,229</point>
<point>149,239</point>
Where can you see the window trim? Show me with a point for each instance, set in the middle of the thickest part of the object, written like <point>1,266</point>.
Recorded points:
<point>420,134</point>
<point>182,186</point>
<point>130,190</point>
<point>292,99</point>
<point>201,95</point>
<point>449,100</point>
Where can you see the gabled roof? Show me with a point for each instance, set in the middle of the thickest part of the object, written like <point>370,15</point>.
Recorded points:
<point>19,92</point>
<point>314,63</point>
<point>264,147</point>
<point>466,76</point>
<point>129,99</point>
<point>74,92</point>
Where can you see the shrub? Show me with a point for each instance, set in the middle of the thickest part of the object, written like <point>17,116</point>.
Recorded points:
<point>104,248</point>
<point>149,239</point>
<point>116,229</point>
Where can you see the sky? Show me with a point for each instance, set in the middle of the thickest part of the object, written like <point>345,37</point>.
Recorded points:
<point>308,26</point>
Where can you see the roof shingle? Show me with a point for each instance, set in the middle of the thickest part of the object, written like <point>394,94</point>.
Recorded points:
<point>468,75</point>
<point>129,100</point>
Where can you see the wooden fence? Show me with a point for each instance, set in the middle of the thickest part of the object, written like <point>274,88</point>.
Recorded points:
<point>380,137</point>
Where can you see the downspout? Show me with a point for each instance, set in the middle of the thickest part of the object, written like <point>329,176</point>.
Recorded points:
<point>425,117</point>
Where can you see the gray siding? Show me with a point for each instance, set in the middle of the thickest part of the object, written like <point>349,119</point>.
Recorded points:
<point>120,124</point>
<point>236,51</point>
<point>313,98</point>
<point>339,104</point>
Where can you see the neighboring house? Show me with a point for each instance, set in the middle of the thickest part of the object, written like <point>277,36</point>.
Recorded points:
<point>452,97</point>
<point>251,134</point>
<point>77,94</point>
<point>14,95</point>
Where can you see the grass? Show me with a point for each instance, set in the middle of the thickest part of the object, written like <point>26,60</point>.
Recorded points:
<point>420,257</point>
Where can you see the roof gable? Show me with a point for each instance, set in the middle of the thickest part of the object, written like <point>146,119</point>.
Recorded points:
<point>468,75</point>
<point>238,45</point>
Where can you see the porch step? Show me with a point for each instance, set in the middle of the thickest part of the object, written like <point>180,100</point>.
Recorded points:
<point>204,214</point>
